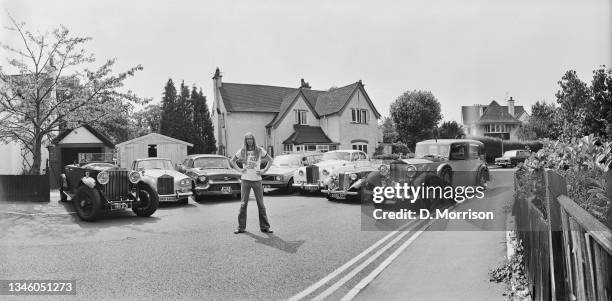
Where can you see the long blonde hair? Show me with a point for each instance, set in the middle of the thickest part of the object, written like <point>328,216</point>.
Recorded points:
<point>245,148</point>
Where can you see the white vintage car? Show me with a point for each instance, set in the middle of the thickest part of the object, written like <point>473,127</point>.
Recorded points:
<point>169,184</point>
<point>317,176</point>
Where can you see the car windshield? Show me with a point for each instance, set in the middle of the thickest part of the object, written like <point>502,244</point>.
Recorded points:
<point>430,149</point>
<point>510,153</point>
<point>336,156</point>
<point>154,164</point>
<point>286,160</point>
<point>212,162</point>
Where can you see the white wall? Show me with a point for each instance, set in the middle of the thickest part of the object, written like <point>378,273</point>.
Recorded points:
<point>352,131</point>
<point>239,123</point>
<point>285,128</point>
<point>11,162</point>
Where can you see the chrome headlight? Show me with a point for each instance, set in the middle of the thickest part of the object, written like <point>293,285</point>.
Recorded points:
<point>325,172</point>
<point>135,177</point>
<point>184,182</point>
<point>353,176</point>
<point>384,170</point>
<point>301,173</point>
<point>103,177</point>
<point>411,170</point>
<point>202,179</point>
<point>278,178</point>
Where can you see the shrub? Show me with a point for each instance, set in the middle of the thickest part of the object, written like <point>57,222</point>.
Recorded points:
<point>400,148</point>
<point>493,146</point>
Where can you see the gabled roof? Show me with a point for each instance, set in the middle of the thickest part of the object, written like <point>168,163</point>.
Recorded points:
<point>93,131</point>
<point>288,102</point>
<point>253,98</point>
<point>158,136</point>
<point>497,113</point>
<point>307,134</point>
<point>274,99</point>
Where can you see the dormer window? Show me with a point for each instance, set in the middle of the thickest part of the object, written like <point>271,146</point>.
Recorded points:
<point>359,115</point>
<point>300,117</point>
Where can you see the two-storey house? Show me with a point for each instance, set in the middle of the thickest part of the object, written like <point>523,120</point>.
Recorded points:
<point>285,119</point>
<point>493,120</point>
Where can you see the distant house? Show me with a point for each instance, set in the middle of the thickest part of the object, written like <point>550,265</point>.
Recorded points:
<point>493,120</point>
<point>285,119</point>
<point>151,146</point>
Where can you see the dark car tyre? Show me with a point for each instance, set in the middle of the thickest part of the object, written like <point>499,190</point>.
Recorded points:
<point>200,198</point>
<point>431,180</point>
<point>289,188</point>
<point>148,201</point>
<point>63,197</point>
<point>87,203</point>
<point>183,201</point>
<point>447,176</point>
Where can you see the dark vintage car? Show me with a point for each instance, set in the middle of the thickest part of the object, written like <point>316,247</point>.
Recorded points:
<point>212,175</point>
<point>442,162</point>
<point>280,174</point>
<point>169,184</point>
<point>96,184</point>
<point>512,158</point>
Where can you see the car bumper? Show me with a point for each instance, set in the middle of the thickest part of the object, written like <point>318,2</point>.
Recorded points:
<point>502,163</point>
<point>174,197</point>
<point>274,184</point>
<point>218,189</point>
<point>308,187</point>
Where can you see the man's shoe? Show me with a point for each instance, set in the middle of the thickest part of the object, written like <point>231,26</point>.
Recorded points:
<point>267,231</point>
<point>238,231</point>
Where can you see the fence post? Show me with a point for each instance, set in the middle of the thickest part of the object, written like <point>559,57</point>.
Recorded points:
<point>555,186</point>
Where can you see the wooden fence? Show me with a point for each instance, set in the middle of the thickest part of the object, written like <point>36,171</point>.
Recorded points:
<point>24,188</point>
<point>568,253</point>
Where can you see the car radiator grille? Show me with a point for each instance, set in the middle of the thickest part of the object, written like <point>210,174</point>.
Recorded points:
<point>343,181</point>
<point>312,174</point>
<point>267,178</point>
<point>117,186</point>
<point>165,185</point>
<point>397,171</point>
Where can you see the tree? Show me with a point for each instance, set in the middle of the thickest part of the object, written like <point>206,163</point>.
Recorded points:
<point>573,99</point>
<point>49,83</point>
<point>388,130</point>
<point>415,114</point>
<point>204,142</point>
<point>599,119</point>
<point>543,122</point>
<point>147,120</point>
<point>450,130</point>
<point>168,106</point>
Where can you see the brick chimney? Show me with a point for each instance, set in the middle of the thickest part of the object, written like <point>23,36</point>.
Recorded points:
<point>511,106</point>
<point>304,84</point>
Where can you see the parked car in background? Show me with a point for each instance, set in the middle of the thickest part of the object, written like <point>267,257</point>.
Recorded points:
<point>442,162</point>
<point>212,175</point>
<point>512,158</point>
<point>347,181</point>
<point>280,174</point>
<point>315,177</point>
<point>169,184</point>
<point>96,184</point>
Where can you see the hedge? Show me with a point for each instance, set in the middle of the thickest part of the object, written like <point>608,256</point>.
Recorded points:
<point>493,146</point>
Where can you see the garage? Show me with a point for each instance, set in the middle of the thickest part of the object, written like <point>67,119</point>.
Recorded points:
<point>152,145</point>
<point>65,149</point>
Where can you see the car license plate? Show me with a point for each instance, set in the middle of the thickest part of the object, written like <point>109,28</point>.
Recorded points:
<point>267,186</point>
<point>166,198</point>
<point>119,206</point>
<point>311,188</point>
<point>226,189</point>
<point>338,195</point>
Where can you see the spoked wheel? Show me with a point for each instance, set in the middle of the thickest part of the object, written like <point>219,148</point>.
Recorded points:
<point>147,201</point>
<point>447,177</point>
<point>482,179</point>
<point>87,203</point>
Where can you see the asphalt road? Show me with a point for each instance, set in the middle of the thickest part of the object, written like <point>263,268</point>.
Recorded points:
<point>190,251</point>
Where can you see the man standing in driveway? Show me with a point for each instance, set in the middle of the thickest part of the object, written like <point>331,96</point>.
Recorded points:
<point>250,156</point>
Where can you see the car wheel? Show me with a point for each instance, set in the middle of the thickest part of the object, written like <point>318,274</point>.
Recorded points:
<point>482,179</point>
<point>87,203</point>
<point>148,201</point>
<point>289,188</point>
<point>447,177</point>
<point>63,197</point>
<point>431,180</point>
<point>200,198</point>
<point>183,201</point>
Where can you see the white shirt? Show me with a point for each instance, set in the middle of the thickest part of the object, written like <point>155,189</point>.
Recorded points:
<point>252,164</point>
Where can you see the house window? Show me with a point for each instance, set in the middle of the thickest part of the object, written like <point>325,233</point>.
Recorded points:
<point>361,146</point>
<point>287,148</point>
<point>299,148</point>
<point>300,116</point>
<point>322,148</point>
<point>311,147</point>
<point>499,128</point>
<point>152,150</point>
<point>359,115</point>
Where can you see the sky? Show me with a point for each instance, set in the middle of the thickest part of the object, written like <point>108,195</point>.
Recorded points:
<point>464,52</point>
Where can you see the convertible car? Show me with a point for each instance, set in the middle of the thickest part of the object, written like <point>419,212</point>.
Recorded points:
<point>212,175</point>
<point>315,177</point>
<point>280,175</point>
<point>169,184</point>
<point>96,184</point>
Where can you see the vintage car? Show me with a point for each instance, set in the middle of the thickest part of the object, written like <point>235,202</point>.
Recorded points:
<point>96,184</point>
<point>280,174</point>
<point>169,184</point>
<point>512,158</point>
<point>315,177</point>
<point>347,181</point>
<point>442,162</point>
<point>212,175</point>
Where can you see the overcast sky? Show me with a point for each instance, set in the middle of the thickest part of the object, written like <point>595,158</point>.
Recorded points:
<point>464,52</point>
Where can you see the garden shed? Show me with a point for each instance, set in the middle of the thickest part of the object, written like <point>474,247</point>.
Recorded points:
<point>151,146</point>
